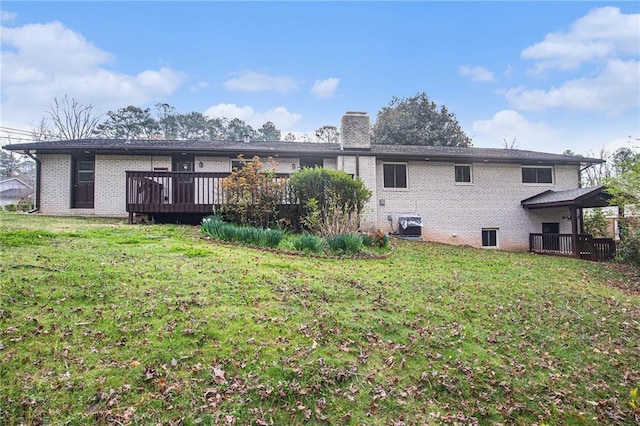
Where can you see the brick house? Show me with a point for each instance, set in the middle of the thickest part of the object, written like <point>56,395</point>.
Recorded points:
<point>482,197</point>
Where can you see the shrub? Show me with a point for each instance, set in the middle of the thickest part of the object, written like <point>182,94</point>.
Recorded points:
<point>375,239</point>
<point>629,242</point>
<point>331,200</point>
<point>10,207</point>
<point>307,243</point>
<point>595,223</point>
<point>345,243</point>
<point>24,206</point>
<point>252,192</point>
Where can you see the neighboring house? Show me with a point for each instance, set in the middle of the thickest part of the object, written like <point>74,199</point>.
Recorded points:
<point>612,216</point>
<point>13,190</point>
<point>482,197</point>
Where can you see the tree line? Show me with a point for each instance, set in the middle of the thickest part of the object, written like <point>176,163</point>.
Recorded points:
<point>69,119</point>
<point>411,121</point>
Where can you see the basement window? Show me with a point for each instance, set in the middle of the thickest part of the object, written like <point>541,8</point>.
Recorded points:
<point>490,237</point>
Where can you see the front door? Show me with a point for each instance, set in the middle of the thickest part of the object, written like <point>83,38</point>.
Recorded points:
<point>183,188</point>
<point>83,182</point>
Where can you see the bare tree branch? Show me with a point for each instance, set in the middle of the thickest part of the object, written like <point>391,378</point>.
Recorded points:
<point>73,120</point>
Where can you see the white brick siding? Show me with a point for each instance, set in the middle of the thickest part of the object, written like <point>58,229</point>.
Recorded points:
<point>451,213</point>
<point>456,214</point>
<point>110,178</point>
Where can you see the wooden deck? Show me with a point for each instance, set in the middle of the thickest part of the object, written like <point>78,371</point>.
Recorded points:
<point>590,248</point>
<point>163,192</point>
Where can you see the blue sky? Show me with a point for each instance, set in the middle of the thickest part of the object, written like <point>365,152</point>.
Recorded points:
<point>551,75</point>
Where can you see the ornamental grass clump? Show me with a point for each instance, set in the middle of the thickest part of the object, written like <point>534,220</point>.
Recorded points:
<point>218,229</point>
<point>348,244</point>
<point>307,243</point>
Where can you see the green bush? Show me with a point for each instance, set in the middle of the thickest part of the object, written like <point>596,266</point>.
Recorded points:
<point>24,206</point>
<point>307,243</point>
<point>11,207</point>
<point>331,200</point>
<point>629,252</point>
<point>345,243</point>
<point>595,223</point>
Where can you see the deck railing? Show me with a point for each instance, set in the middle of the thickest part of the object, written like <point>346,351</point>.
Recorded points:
<point>597,249</point>
<point>180,192</point>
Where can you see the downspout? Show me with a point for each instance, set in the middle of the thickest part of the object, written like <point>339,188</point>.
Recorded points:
<point>357,165</point>
<point>36,204</point>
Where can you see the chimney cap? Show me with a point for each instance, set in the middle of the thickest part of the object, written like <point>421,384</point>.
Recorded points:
<point>355,113</point>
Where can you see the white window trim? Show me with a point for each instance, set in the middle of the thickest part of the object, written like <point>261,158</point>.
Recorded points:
<point>553,175</point>
<point>393,188</point>
<point>470,174</point>
<point>497,246</point>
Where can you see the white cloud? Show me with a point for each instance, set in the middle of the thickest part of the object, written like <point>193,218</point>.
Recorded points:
<point>199,86</point>
<point>7,16</point>
<point>43,61</point>
<point>325,88</point>
<point>508,125</point>
<point>256,82</point>
<point>280,116</point>
<point>602,33</point>
<point>476,73</point>
<point>613,91</point>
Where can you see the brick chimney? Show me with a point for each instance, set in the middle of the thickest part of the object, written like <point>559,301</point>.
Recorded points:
<point>354,131</point>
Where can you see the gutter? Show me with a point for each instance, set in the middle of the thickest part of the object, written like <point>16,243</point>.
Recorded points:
<point>36,204</point>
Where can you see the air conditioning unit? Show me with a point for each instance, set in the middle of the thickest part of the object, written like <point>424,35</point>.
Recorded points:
<point>410,226</point>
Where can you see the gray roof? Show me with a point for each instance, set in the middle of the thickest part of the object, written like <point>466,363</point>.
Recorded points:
<point>593,196</point>
<point>206,147</point>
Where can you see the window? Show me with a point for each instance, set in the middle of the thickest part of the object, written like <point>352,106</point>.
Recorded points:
<point>463,173</point>
<point>532,174</point>
<point>311,162</point>
<point>238,164</point>
<point>395,175</point>
<point>489,237</point>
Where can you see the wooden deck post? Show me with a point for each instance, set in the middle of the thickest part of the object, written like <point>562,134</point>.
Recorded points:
<point>574,232</point>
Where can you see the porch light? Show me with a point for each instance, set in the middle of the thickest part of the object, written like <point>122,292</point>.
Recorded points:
<point>201,164</point>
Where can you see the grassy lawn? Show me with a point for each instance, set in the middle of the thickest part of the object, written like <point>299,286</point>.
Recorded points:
<point>103,322</point>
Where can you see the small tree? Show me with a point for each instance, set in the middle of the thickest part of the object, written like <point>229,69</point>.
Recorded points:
<point>252,192</point>
<point>595,223</point>
<point>331,200</point>
<point>625,190</point>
